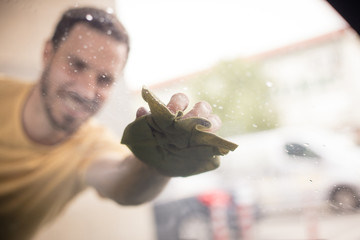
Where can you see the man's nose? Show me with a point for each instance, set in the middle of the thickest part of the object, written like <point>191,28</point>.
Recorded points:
<point>88,86</point>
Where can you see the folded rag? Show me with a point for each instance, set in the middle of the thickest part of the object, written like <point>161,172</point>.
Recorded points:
<point>175,146</point>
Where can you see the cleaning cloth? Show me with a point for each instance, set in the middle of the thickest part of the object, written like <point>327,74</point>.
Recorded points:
<point>174,145</point>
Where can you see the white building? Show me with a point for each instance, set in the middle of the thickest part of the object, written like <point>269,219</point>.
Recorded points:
<point>312,82</point>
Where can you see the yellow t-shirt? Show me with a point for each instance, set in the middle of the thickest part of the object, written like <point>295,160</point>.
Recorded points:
<point>37,181</point>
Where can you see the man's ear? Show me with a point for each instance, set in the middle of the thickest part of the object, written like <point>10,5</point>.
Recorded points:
<point>48,52</point>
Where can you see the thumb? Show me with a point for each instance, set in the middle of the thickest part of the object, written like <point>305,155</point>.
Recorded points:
<point>142,112</point>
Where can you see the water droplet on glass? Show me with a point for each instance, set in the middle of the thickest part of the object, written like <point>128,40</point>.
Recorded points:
<point>89,17</point>
<point>110,10</point>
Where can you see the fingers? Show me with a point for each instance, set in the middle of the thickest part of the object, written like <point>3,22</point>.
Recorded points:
<point>141,112</point>
<point>200,109</point>
<point>204,110</point>
<point>178,102</point>
<point>215,122</point>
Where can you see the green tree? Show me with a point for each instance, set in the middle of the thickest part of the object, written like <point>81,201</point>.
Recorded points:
<point>239,94</point>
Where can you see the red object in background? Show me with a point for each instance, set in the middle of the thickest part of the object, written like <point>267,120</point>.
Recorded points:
<point>218,202</point>
<point>215,198</point>
<point>246,221</point>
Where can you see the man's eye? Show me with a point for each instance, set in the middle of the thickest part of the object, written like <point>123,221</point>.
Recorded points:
<point>77,65</point>
<point>105,80</point>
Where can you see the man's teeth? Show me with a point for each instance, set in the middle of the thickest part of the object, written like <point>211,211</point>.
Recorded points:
<point>71,104</point>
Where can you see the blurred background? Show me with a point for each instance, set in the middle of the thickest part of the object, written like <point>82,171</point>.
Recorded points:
<point>283,77</point>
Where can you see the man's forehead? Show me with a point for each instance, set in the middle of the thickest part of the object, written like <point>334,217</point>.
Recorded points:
<point>86,42</point>
<point>89,36</point>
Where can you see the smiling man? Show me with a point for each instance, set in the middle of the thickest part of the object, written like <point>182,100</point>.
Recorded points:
<point>79,73</point>
<point>51,149</point>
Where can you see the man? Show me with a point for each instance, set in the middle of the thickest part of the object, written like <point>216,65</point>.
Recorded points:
<point>51,149</point>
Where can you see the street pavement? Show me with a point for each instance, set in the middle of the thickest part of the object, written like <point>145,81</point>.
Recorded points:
<point>315,224</point>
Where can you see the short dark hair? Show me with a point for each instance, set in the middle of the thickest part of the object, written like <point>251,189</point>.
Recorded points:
<point>96,18</point>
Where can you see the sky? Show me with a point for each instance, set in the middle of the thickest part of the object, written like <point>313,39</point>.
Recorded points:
<point>175,38</point>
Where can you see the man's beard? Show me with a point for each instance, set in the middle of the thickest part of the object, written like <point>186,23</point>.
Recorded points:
<point>68,123</point>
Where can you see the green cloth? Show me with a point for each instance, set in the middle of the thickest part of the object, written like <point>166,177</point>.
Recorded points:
<point>175,146</point>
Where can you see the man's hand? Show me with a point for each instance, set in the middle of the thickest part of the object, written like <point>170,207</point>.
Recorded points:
<point>174,143</point>
<point>179,102</point>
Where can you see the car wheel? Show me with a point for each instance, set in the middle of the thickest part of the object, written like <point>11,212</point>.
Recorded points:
<point>195,226</point>
<point>344,199</point>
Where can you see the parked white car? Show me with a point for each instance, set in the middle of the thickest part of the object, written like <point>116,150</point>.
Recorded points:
<point>283,169</point>
<point>293,169</point>
<point>270,172</point>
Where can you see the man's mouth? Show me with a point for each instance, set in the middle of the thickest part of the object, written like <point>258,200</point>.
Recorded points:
<point>79,106</point>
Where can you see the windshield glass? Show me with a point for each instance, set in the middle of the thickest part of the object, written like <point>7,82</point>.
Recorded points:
<point>281,75</point>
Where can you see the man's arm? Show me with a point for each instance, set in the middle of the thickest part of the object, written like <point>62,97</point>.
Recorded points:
<point>131,181</point>
<point>128,181</point>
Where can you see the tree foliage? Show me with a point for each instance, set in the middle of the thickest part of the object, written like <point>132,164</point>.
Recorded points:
<point>239,94</point>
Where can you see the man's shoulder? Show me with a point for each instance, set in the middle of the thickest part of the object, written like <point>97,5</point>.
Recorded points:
<point>11,85</point>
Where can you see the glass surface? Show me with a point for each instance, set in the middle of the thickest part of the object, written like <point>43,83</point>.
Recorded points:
<point>282,75</point>
<point>284,78</point>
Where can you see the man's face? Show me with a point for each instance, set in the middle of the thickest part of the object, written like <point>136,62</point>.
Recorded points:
<point>78,76</point>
